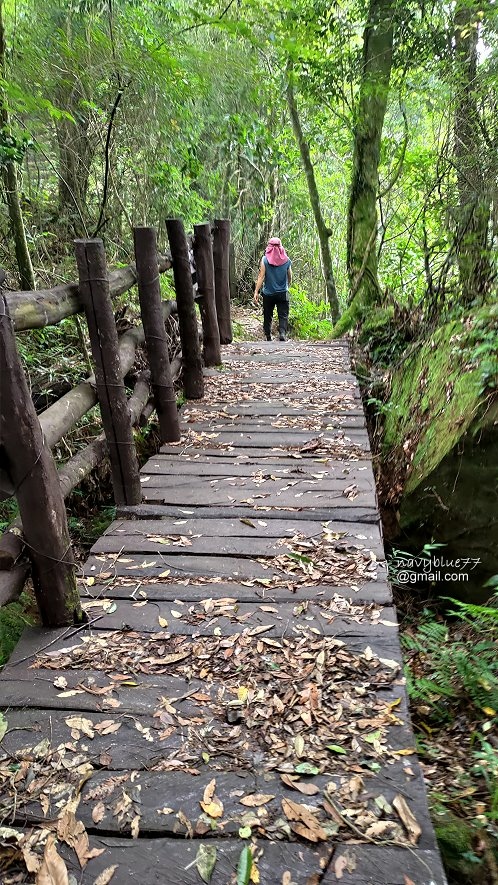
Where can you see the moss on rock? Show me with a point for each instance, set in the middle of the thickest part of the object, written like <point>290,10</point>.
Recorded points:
<point>437,396</point>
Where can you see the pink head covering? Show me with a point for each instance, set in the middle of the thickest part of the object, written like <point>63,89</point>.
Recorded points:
<point>275,252</point>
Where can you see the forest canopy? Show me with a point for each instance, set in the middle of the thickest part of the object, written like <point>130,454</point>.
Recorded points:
<point>362,133</point>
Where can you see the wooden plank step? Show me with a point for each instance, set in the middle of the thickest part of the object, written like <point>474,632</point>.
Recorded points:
<point>188,591</point>
<point>103,566</point>
<point>291,469</point>
<point>118,743</point>
<point>165,490</point>
<point>146,861</point>
<point>176,543</point>
<point>226,619</point>
<point>351,514</point>
<point>349,534</point>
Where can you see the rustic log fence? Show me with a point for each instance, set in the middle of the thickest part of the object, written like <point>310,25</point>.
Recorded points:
<point>38,539</point>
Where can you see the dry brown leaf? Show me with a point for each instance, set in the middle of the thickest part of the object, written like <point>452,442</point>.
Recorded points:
<point>53,870</point>
<point>410,822</point>
<point>407,880</point>
<point>210,804</point>
<point>306,824</point>
<point>98,812</point>
<point>306,789</point>
<point>340,865</point>
<point>79,723</point>
<point>254,800</point>
<point>316,833</point>
<point>106,875</point>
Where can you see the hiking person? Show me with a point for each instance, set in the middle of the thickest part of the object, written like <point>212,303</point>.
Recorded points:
<point>275,277</point>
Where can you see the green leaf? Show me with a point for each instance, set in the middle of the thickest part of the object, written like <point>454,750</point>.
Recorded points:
<point>306,768</point>
<point>245,832</point>
<point>244,866</point>
<point>374,736</point>
<point>205,861</point>
<point>337,749</point>
<point>3,726</point>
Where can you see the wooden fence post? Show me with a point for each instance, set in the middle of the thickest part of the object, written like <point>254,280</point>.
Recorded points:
<point>193,381</point>
<point>156,341</point>
<point>32,471</point>
<point>94,294</point>
<point>203,254</point>
<point>221,258</point>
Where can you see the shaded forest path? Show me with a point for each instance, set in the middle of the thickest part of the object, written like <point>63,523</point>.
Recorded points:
<point>240,681</point>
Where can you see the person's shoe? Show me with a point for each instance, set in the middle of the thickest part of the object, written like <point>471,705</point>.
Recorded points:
<point>282,336</point>
<point>268,337</point>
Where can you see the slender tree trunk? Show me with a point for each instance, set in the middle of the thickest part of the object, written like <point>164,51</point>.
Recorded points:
<point>474,197</point>
<point>324,232</point>
<point>9,176</point>
<point>362,209</point>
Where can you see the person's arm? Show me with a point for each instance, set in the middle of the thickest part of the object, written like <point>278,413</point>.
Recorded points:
<point>259,281</point>
<point>289,275</point>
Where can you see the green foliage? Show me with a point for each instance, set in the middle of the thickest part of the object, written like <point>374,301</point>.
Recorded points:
<point>13,620</point>
<point>464,671</point>
<point>307,318</point>
<point>452,674</point>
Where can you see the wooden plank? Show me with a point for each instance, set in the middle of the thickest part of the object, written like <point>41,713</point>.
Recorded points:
<point>182,793</point>
<point>174,542</point>
<point>260,422</point>
<point>159,511</point>
<point>239,547</point>
<point>262,481</point>
<point>356,534</point>
<point>189,591</point>
<point>184,565</point>
<point>249,495</point>
<point>231,618</point>
<point>126,748</point>
<point>146,860</point>
<point>258,451</point>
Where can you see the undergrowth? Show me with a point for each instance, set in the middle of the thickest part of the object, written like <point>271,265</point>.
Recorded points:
<point>307,318</point>
<point>452,679</point>
<point>13,619</point>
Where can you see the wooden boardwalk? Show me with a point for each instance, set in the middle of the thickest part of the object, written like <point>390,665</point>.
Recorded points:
<point>237,699</point>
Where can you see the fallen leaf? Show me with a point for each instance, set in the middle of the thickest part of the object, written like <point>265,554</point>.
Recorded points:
<point>244,866</point>
<point>301,786</point>
<point>60,682</point>
<point>210,804</point>
<point>303,821</point>
<point>410,822</point>
<point>106,875</point>
<point>3,726</point>
<point>98,812</point>
<point>205,862</point>
<point>79,723</point>
<point>53,870</point>
<point>162,621</point>
<point>342,863</point>
<point>254,800</point>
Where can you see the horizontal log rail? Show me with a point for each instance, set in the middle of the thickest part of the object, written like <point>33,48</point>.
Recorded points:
<point>47,307</point>
<point>114,359</point>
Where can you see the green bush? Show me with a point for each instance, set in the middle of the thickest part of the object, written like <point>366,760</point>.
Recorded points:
<point>308,319</point>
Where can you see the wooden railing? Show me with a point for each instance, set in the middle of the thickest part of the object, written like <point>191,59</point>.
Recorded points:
<point>39,538</point>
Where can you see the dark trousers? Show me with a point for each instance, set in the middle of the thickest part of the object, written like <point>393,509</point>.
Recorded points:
<point>282,303</point>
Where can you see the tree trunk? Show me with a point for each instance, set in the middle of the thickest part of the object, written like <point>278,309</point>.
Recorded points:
<point>9,176</point>
<point>362,209</point>
<point>323,231</point>
<point>474,197</point>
